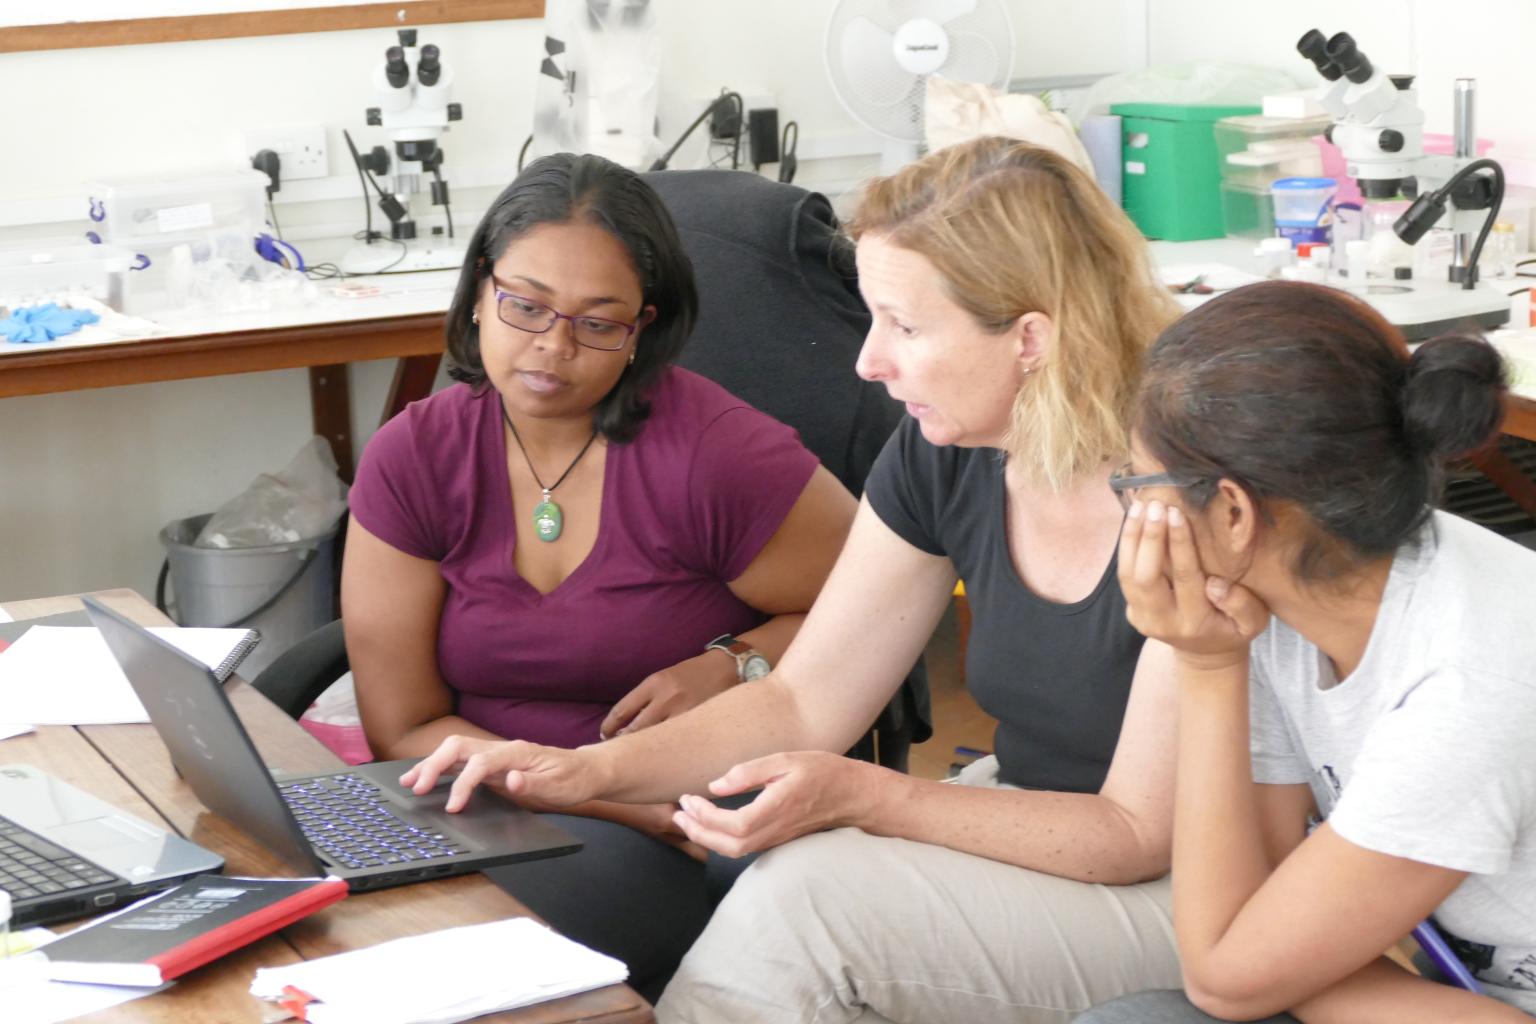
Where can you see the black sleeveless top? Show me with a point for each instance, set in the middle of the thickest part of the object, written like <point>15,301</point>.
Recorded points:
<point>1055,676</point>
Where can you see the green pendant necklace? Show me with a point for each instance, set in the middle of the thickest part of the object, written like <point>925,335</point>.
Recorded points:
<point>548,519</point>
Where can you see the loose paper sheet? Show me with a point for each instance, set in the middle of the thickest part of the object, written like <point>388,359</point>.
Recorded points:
<point>66,675</point>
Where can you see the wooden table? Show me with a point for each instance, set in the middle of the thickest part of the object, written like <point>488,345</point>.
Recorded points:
<point>128,766</point>
<point>325,348</point>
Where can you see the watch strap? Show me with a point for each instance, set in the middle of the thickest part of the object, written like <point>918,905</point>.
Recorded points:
<point>738,649</point>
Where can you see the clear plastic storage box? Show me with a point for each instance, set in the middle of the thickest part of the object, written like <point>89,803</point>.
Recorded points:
<point>151,217</point>
<point>1258,133</point>
<point>1256,151</point>
<point>42,270</point>
<point>137,210</point>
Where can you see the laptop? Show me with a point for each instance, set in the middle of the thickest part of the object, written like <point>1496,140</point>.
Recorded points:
<point>64,853</point>
<point>358,824</point>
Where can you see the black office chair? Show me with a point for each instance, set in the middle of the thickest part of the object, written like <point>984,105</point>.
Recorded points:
<point>780,324</point>
<point>296,678</point>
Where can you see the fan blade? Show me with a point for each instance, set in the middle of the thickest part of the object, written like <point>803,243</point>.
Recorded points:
<point>869,64</point>
<point>944,11</point>
<point>973,58</point>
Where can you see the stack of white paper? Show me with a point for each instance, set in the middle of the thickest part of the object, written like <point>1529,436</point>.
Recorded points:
<point>66,675</point>
<point>28,997</point>
<point>445,976</point>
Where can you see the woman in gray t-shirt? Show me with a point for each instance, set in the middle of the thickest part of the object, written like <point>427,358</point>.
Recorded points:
<point>1281,537</point>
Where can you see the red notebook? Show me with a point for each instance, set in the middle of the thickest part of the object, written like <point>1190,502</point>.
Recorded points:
<point>173,932</point>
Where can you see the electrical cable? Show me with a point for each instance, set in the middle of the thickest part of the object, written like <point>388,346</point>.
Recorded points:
<point>404,251</point>
<point>437,174</point>
<point>522,154</point>
<point>788,143</point>
<point>272,215</point>
<point>325,272</point>
<point>741,124</point>
<point>661,161</point>
<point>1493,212</point>
<point>357,161</point>
<point>387,203</point>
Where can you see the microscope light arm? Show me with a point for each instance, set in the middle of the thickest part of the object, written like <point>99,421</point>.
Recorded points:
<point>1431,205</point>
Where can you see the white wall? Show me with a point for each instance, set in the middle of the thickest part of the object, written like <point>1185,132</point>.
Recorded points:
<point>88,478</point>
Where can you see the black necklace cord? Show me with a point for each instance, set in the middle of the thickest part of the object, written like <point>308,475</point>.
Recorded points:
<point>550,489</point>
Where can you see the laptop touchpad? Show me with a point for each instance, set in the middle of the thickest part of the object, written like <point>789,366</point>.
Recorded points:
<point>99,833</point>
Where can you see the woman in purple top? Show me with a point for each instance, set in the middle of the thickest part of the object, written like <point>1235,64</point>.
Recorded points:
<point>544,550</point>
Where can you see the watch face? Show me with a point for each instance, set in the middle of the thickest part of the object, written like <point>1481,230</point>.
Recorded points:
<point>755,667</point>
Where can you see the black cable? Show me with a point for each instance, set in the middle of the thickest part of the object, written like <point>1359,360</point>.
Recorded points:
<point>661,162</point>
<point>447,208</point>
<point>741,124</point>
<point>788,161</point>
<point>1470,280</point>
<point>357,161</point>
<point>325,272</point>
<point>272,213</point>
<point>522,154</point>
<point>404,251</point>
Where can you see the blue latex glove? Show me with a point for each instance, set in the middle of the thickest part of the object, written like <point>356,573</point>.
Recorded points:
<point>44,323</point>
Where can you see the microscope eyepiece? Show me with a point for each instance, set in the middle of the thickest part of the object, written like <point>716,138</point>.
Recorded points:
<point>1314,47</point>
<point>1343,52</point>
<point>396,71</point>
<point>430,67</point>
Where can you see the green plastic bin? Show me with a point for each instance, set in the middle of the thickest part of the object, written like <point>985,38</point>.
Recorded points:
<point>1172,173</point>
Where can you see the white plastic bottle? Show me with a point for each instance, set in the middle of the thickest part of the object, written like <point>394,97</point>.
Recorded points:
<point>1275,254</point>
<point>1501,253</point>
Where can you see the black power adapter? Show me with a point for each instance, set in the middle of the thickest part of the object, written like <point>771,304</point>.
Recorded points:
<point>270,164</point>
<point>763,136</point>
<point>725,117</point>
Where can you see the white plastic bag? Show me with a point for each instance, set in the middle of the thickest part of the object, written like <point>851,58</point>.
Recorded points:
<point>302,501</point>
<point>1209,83</point>
<point>956,112</point>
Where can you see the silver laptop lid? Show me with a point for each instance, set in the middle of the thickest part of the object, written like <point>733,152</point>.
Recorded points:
<point>207,742</point>
<point>143,855</point>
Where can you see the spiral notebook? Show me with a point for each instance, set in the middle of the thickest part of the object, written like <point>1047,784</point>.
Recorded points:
<point>57,673</point>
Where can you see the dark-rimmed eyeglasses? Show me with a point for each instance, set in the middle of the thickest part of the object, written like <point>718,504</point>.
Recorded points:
<point>1125,485</point>
<point>536,318</point>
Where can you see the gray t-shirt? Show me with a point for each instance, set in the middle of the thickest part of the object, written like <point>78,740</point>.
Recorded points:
<point>1432,739</point>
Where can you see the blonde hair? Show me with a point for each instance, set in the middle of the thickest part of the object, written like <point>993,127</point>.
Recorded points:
<point>1014,228</point>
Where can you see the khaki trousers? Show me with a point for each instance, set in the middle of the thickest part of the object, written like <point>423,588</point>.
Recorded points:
<point>842,926</point>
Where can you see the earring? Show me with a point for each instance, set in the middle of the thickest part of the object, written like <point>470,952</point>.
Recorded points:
<point>474,318</point>
<point>631,358</point>
<point>1028,370</point>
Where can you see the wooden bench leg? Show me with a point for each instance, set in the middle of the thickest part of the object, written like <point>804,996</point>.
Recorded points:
<point>330,404</point>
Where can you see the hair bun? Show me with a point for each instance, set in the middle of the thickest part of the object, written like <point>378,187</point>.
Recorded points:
<point>1453,395</point>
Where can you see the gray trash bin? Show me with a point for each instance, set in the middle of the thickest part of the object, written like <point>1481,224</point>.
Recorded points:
<point>282,590</point>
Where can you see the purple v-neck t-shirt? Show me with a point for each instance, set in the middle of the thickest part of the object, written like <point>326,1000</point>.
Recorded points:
<point>686,506</point>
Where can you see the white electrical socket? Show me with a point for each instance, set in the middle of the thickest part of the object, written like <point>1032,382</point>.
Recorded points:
<point>301,147</point>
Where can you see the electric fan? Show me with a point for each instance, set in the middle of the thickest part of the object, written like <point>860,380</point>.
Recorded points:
<point>879,54</point>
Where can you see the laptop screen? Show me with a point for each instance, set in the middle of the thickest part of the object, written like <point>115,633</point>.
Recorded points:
<point>208,744</point>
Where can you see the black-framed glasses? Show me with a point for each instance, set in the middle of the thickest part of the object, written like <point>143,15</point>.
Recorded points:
<point>1125,485</point>
<point>536,318</point>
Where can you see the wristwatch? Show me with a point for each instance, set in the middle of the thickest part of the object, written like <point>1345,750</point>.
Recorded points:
<point>750,664</point>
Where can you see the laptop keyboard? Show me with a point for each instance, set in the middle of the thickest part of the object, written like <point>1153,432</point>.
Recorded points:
<point>346,817</point>
<point>31,866</point>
